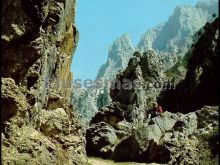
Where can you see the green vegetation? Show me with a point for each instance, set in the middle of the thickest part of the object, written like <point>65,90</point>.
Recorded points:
<point>182,62</point>
<point>209,147</point>
<point>214,15</point>
<point>173,72</point>
<point>137,54</point>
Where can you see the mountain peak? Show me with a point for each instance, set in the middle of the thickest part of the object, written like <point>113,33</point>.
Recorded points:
<point>119,54</point>
<point>122,43</point>
<point>175,34</point>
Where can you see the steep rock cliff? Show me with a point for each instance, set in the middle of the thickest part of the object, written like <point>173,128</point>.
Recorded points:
<point>85,102</point>
<point>176,34</point>
<point>40,125</point>
<point>120,53</point>
<point>201,83</point>
<point>140,83</point>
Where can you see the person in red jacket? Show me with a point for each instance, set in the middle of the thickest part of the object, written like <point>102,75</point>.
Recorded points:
<point>155,111</point>
<point>157,108</point>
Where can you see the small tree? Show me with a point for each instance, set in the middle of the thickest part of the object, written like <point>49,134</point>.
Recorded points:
<point>137,54</point>
<point>214,15</point>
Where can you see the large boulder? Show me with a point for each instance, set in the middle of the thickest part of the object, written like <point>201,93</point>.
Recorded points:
<point>111,114</point>
<point>101,138</point>
<point>142,146</point>
<point>165,121</point>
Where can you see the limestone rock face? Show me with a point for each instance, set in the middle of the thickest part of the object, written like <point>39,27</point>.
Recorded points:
<point>40,125</point>
<point>140,83</point>
<point>85,102</point>
<point>207,5</point>
<point>171,40</point>
<point>176,34</point>
<point>119,54</point>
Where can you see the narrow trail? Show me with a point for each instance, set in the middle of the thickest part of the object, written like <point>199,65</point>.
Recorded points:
<point>99,161</point>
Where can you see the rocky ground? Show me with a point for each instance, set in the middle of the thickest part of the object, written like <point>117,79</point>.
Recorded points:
<point>172,138</point>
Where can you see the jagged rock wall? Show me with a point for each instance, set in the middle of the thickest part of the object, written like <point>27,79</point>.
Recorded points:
<point>40,125</point>
<point>85,103</point>
<point>172,39</point>
<point>201,84</point>
<point>140,83</point>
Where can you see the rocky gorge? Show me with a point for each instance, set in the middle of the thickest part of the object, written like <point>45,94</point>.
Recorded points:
<point>47,121</point>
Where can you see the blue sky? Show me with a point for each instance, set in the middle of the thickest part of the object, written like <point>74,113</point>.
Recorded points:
<point>100,22</point>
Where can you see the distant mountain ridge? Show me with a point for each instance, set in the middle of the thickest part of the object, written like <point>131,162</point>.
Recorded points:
<point>173,36</point>
<point>176,34</point>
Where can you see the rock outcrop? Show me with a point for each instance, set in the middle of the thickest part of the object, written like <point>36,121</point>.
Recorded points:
<point>140,83</point>
<point>40,125</point>
<point>132,93</point>
<point>119,54</point>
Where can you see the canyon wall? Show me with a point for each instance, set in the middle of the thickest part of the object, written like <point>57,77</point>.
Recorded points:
<point>40,125</point>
